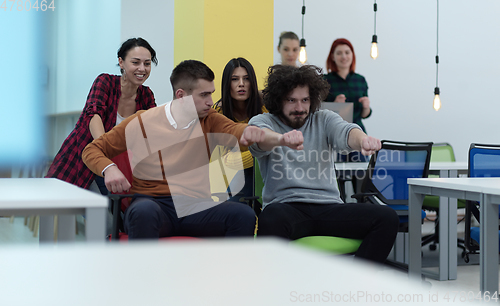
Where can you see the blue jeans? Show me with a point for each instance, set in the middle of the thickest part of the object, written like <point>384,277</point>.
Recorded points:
<point>153,217</point>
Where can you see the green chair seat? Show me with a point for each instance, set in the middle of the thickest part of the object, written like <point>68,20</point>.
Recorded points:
<point>432,202</point>
<point>329,244</point>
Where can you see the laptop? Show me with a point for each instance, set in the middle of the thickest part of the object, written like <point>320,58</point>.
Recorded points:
<point>343,109</point>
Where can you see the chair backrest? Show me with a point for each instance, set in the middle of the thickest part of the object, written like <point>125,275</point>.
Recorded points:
<point>392,165</point>
<point>484,160</point>
<point>442,152</point>
<point>258,181</point>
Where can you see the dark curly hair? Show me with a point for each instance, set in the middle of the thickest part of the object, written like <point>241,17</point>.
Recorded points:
<point>282,80</point>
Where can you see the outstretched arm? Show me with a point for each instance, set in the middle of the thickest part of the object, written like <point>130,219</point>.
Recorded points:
<point>267,139</point>
<point>359,141</point>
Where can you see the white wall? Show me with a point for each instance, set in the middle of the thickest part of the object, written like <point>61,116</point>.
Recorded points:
<point>86,37</point>
<point>153,20</point>
<point>87,42</point>
<point>402,80</point>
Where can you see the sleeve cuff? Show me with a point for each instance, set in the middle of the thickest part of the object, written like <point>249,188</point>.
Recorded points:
<point>102,172</point>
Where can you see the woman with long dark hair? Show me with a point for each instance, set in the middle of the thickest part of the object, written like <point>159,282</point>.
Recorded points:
<point>240,101</point>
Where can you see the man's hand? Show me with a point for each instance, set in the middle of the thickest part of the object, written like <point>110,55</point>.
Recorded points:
<point>252,134</point>
<point>370,145</point>
<point>293,139</point>
<point>115,181</point>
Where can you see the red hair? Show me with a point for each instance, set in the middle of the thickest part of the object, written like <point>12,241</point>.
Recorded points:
<point>330,64</point>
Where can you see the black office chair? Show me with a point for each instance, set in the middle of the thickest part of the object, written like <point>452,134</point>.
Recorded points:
<point>255,201</point>
<point>385,182</point>
<point>387,173</point>
<point>441,152</point>
<point>484,161</point>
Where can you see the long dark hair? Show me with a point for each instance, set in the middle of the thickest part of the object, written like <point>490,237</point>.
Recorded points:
<point>254,102</point>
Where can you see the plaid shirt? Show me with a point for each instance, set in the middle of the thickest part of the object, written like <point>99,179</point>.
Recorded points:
<point>353,87</point>
<point>102,100</point>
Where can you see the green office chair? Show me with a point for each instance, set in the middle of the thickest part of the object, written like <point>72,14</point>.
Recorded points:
<point>441,152</point>
<point>333,245</point>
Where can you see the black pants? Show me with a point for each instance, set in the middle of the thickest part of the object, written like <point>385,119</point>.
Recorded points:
<point>149,218</point>
<point>377,225</point>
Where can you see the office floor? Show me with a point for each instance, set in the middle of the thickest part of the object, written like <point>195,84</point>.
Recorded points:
<point>467,280</point>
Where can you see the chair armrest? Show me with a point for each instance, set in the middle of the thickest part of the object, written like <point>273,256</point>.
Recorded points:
<point>360,196</point>
<point>115,199</point>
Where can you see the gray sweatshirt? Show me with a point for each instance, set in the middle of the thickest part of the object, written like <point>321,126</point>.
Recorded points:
<point>304,176</point>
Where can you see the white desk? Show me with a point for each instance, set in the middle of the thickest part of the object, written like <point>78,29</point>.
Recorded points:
<point>485,190</point>
<point>444,169</point>
<point>47,197</point>
<point>209,272</point>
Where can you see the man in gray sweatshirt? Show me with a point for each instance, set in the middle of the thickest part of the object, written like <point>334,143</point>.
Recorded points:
<point>300,195</point>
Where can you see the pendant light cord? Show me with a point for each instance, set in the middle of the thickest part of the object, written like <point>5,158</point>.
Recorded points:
<point>437,42</point>
<point>303,14</point>
<point>375,18</point>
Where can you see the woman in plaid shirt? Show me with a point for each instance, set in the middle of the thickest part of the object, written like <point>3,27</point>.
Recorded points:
<point>347,86</point>
<point>111,99</point>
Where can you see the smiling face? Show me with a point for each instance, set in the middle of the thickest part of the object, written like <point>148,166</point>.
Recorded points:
<point>240,84</point>
<point>296,107</point>
<point>342,56</point>
<point>136,65</point>
<point>289,50</point>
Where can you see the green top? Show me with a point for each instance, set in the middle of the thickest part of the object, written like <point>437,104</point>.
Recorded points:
<point>353,87</point>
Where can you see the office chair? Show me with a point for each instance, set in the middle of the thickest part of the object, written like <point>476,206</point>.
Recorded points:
<point>385,183</point>
<point>441,152</point>
<point>255,201</point>
<point>120,202</point>
<point>388,169</point>
<point>484,161</point>
<point>329,244</point>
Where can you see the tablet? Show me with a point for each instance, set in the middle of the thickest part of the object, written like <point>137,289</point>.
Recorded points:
<point>343,109</point>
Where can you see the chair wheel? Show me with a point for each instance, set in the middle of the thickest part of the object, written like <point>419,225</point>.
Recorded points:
<point>432,247</point>
<point>466,258</point>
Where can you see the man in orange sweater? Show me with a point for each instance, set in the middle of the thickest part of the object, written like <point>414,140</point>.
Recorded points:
<point>169,151</point>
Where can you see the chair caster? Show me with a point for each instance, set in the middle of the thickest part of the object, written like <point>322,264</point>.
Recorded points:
<point>466,257</point>
<point>432,247</point>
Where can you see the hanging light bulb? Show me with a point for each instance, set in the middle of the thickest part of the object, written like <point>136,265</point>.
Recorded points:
<point>437,100</point>
<point>302,53</point>
<point>374,48</point>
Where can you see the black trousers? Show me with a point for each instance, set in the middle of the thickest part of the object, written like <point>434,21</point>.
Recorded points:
<point>377,225</point>
<point>150,218</point>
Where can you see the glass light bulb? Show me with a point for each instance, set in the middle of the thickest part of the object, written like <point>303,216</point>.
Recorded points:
<point>374,50</point>
<point>437,102</point>
<point>302,55</point>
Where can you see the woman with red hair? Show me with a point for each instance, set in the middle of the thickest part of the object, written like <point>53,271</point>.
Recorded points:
<point>346,86</point>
